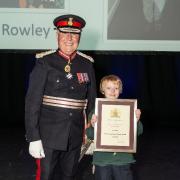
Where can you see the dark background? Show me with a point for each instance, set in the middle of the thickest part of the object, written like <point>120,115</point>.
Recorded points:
<point>151,77</point>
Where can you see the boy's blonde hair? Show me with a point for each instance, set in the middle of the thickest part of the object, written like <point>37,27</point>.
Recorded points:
<point>112,78</point>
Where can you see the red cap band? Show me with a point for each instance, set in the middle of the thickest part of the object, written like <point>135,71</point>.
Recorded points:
<point>66,23</point>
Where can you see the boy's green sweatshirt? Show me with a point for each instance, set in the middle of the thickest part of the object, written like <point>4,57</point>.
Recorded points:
<point>111,158</point>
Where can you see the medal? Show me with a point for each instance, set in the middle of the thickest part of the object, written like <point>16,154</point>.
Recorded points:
<point>69,76</point>
<point>67,68</point>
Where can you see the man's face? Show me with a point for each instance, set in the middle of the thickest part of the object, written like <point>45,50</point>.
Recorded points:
<point>68,42</point>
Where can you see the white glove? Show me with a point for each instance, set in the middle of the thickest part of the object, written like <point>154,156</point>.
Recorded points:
<point>36,149</point>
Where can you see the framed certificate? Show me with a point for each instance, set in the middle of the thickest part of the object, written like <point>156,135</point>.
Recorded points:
<point>116,128</point>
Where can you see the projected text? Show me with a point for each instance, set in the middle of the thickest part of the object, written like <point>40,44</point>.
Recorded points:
<point>32,30</point>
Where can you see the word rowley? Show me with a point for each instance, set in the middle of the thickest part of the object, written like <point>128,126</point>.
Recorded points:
<point>25,31</point>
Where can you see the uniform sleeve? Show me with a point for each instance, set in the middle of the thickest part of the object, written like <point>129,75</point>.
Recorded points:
<point>139,128</point>
<point>90,133</point>
<point>34,100</point>
<point>90,130</point>
<point>91,95</point>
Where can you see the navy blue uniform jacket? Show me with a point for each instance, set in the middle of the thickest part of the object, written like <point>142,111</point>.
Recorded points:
<point>58,128</point>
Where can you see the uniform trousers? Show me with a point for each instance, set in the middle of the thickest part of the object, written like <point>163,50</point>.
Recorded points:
<point>113,172</point>
<point>63,163</point>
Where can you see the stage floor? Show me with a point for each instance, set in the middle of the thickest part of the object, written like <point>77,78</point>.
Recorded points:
<point>158,156</point>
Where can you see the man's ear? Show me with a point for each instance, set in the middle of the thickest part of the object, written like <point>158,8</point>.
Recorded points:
<point>57,34</point>
<point>79,38</point>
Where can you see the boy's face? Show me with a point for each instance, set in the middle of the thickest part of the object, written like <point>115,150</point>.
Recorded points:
<point>111,90</point>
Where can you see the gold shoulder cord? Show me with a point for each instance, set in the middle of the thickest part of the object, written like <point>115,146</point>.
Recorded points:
<point>85,56</point>
<point>45,53</point>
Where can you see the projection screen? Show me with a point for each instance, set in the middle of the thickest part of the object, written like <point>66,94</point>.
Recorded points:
<point>115,25</point>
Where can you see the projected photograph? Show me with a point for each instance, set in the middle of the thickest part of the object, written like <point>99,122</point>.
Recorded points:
<point>43,4</point>
<point>143,20</point>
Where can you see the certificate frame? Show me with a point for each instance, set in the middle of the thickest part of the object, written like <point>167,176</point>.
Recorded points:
<point>116,128</point>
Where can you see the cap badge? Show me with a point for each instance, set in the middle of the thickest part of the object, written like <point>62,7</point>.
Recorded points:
<point>70,23</point>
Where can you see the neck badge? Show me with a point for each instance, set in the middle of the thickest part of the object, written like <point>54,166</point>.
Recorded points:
<point>67,69</point>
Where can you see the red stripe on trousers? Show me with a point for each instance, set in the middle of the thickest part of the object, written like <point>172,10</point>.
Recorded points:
<point>38,169</point>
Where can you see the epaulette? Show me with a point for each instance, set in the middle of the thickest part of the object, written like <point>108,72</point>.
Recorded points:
<point>45,53</point>
<point>85,56</point>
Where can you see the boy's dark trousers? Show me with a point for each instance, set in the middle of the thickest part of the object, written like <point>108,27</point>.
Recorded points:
<point>113,172</point>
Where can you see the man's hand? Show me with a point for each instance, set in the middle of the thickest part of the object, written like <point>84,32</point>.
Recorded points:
<point>36,149</point>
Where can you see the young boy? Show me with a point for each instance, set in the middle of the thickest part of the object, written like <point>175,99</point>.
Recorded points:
<point>111,165</point>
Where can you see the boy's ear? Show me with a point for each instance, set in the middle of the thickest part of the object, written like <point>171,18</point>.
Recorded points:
<point>102,92</point>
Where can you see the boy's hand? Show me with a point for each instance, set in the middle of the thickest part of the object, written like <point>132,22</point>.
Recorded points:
<point>93,120</point>
<point>138,114</point>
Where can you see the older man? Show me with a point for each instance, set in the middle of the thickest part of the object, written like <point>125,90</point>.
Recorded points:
<point>62,90</point>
